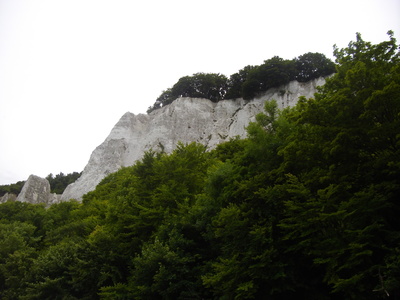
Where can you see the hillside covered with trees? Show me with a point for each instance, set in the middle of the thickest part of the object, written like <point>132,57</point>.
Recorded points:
<point>249,81</point>
<point>307,207</point>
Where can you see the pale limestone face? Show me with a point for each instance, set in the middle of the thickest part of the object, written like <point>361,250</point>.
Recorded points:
<point>184,120</point>
<point>35,190</point>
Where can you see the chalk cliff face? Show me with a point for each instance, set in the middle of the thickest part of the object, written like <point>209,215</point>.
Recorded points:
<point>185,120</point>
<point>8,197</point>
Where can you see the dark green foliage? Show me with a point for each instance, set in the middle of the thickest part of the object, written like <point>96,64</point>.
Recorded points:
<point>305,208</point>
<point>14,188</point>
<point>235,82</point>
<point>355,198</point>
<point>249,81</point>
<point>313,65</point>
<point>17,244</point>
<point>23,212</point>
<point>272,73</point>
<point>200,85</point>
<point>59,182</point>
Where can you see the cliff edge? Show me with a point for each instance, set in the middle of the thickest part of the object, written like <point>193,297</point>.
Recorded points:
<point>185,120</point>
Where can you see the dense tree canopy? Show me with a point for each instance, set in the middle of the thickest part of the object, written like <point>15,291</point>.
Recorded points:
<point>14,188</point>
<point>249,81</point>
<point>272,73</point>
<point>236,81</point>
<point>59,182</point>
<point>312,65</point>
<point>200,85</point>
<point>305,207</point>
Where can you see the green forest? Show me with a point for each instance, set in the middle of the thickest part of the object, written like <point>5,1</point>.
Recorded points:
<point>306,207</point>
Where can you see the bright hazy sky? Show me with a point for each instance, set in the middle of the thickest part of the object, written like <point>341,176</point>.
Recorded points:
<point>69,69</point>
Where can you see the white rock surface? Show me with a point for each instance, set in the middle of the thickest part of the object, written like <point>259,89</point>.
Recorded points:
<point>8,197</point>
<point>37,190</point>
<point>185,120</point>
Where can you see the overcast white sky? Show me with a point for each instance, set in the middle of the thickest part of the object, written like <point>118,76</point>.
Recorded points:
<point>70,69</point>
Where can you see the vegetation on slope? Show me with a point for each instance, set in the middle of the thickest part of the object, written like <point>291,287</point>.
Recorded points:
<point>249,81</point>
<point>306,207</point>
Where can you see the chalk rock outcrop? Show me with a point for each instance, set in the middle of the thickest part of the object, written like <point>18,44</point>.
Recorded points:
<point>8,197</point>
<point>185,120</point>
<point>37,190</point>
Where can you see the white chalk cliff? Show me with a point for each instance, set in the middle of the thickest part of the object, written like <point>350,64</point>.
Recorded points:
<point>37,190</point>
<point>185,120</point>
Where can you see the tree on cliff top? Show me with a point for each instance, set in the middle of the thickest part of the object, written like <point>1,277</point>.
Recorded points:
<point>249,81</point>
<point>211,86</point>
<point>313,65</point>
